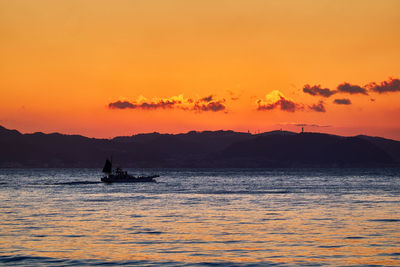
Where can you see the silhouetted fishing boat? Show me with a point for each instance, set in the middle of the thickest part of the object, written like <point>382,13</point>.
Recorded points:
<point>120,176</point>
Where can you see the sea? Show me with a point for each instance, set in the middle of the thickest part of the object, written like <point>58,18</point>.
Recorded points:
<point>201,217</point>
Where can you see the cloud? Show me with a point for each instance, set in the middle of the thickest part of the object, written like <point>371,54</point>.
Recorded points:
<point>275,100</point>
<point>143,103</point>
<point>392,85</point>
<point>351,89</point>
<point>317,90</point>
<point>206,99</point>
<point>161,104</point>
<point>121,105</point>
<point>343,101</point>
<point>318,107</point>
<point>211,106</point>
<point>208,103</point>
<point>175,102</point>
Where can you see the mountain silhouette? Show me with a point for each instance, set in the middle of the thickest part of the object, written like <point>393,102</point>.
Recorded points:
<point>307,149</point>
<point>198,149</point>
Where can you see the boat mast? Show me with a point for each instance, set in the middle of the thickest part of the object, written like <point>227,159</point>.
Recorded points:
<point>111,162</point>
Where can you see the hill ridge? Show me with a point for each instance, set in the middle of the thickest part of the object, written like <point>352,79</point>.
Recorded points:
<point>223,148</point>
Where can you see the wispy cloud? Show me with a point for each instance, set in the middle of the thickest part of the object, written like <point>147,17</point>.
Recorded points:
<point>233,96</point>
<point>304,125</point>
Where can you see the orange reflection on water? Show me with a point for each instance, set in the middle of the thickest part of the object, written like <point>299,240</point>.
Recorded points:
<point>164,231</point>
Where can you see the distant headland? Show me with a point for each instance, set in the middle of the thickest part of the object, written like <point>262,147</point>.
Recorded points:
<point>207,149</point>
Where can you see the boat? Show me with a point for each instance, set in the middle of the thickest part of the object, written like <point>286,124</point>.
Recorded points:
<point>120,176</point>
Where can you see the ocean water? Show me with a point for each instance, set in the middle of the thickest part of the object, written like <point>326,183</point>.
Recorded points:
<point>197,217</point>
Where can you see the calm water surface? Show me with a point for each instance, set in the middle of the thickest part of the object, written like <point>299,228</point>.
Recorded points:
<point>232,217</point>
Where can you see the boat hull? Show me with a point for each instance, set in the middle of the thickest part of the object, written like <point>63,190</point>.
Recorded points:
<point>129,179</point>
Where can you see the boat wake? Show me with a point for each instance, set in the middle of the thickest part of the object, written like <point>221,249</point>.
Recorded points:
<point>76,183</point>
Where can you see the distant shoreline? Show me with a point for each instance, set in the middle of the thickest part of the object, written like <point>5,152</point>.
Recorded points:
<point>208,149</point>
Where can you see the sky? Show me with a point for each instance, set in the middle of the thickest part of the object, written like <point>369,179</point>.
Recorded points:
<point>108,68</point>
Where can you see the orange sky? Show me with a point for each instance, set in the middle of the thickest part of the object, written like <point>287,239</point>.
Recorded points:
<point>63,62</point>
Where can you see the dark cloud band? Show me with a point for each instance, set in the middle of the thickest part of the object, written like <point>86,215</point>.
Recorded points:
<point>121,105</point>
<point>316,90</point>
<point>342,101</point>
<point>203,104</point>
<point>392,85</point>
<point>351,89</point>
<point>320,107</point>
